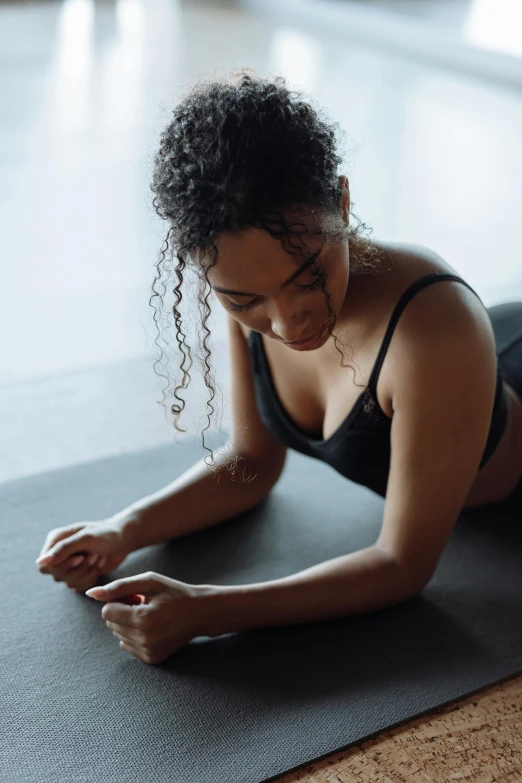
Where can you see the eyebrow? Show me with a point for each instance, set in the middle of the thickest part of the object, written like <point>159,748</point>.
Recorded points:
<point>309,261</point>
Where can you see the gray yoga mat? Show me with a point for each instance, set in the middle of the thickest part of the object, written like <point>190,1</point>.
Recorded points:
<point>249,706</point>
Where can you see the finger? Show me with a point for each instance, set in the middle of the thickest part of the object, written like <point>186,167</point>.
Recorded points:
<point>45,570</point>
<point>72,563</point>
<point>125,614</point>
<point>57,535</point>
<point>85,579</point>
<point>51,539</point>
<point>121,615</point>
<point>83,586</point>
<point>75,544</point>
<point>76,578</point>
<point>91,562</point>
<point>131,649</point>
<point>131,585</point>
<point>124,638</point>
<point>119,627</point>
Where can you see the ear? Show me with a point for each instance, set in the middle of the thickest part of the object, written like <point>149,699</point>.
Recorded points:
<point>345,197</point>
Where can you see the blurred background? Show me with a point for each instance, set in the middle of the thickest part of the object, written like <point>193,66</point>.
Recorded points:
<point>428,91</point>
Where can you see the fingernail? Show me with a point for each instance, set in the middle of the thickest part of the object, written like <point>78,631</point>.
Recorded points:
<point>96,591</point>
<point>44,560</point>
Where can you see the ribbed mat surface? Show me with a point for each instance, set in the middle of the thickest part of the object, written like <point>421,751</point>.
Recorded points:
<point>245,707</point>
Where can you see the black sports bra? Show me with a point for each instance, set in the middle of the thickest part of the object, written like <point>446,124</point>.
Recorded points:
<point>360,447</point>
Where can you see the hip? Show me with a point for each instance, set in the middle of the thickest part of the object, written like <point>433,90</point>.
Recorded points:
<point>500,479</point>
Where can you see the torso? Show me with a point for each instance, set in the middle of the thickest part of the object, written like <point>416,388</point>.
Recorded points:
<point>317,393</point>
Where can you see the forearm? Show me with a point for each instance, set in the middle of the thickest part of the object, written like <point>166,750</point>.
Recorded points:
<point>356,583</point>
<point>195,500</point>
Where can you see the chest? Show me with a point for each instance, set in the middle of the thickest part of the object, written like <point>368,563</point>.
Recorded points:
<point>319,392</point>
<point>318,389</point>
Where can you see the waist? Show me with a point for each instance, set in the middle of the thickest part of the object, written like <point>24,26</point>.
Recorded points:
<point>501,474</point>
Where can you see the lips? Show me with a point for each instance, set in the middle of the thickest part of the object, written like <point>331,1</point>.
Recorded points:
<point>308,339</point>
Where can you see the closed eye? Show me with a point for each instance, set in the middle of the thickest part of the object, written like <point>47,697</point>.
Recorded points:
<point>239,308</point>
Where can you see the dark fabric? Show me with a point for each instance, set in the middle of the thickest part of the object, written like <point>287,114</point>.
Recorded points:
<point>360,448</point>
<point>248,706</point>
<point>506,319</point>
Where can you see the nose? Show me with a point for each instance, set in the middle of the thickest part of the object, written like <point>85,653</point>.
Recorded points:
<point>290,329</point>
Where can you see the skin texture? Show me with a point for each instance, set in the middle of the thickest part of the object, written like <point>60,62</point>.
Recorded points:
<point>443,342</point>
<point>151,614</point>
<point>255,262</point>
<point>61,556</point>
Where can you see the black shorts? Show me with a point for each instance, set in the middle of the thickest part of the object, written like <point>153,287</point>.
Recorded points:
<point>506,319</point>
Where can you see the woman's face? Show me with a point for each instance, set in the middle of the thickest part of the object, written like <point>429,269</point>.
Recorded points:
<point>260,284</point>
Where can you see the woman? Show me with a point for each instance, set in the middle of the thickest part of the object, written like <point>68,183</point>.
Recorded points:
<point>430,416</point>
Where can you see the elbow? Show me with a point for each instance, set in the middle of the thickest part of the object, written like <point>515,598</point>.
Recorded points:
<point>409,581</point>
<point>405,588</point>
<point>417,588</point>
<point>413,582</point>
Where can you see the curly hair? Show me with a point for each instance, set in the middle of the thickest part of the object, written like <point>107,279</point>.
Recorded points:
<point>240,152</point>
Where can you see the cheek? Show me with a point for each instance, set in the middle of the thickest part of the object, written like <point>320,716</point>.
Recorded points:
<point>336,286</point>
<point>338,289</point>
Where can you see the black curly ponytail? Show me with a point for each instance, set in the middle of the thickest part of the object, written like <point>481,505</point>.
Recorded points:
<point>237,153</point>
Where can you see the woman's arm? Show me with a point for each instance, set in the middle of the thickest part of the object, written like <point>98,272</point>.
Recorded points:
<point>359,582</point>
<point>197,499</point>
<point>443,377</point>
<point>443,372</point>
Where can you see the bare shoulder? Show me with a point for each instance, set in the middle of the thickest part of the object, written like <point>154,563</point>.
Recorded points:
<point>413,261</point>
<point>417,261</point>
<point>248,432</point>
<point>235,327</point>
<point>438,311</point>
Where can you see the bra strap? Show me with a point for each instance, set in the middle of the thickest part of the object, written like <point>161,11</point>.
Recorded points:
<point>409,293</point>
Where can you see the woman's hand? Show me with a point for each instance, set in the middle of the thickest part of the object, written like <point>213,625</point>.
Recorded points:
<point>79,554</point>
<point>152,615</point>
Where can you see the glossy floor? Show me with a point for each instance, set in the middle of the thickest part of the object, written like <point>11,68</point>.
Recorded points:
<point>433,158</point>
